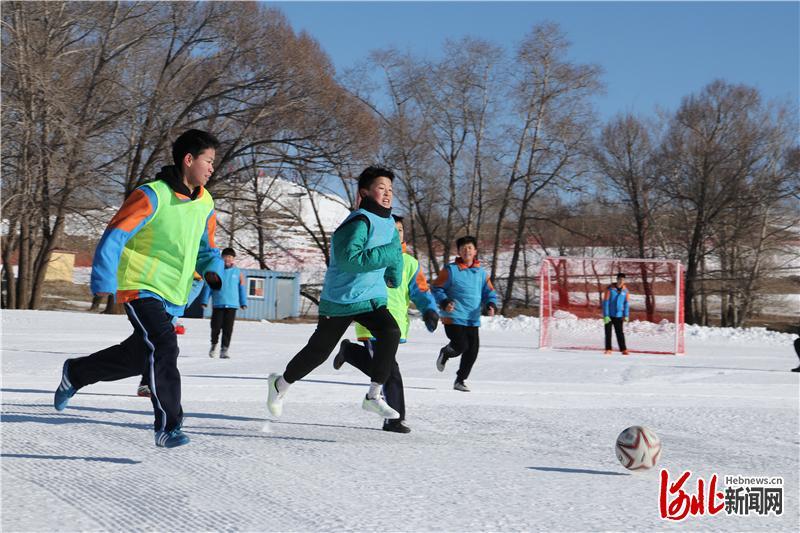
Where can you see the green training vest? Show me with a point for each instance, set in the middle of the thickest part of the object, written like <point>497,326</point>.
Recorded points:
<point>398,300</point>
<point>162,256</point>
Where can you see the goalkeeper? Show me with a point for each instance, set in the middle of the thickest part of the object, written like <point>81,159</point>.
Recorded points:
<point>616,308</point>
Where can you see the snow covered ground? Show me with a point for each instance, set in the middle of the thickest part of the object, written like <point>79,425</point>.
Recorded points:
<point>531,448</point>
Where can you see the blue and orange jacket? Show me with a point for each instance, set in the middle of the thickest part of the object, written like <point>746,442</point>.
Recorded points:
<point>136,211</point>
<point>231,295</point>
<point>468,287</point>
<point>616,301</point>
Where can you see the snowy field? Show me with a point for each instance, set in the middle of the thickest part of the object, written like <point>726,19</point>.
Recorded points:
<point>530,449</point>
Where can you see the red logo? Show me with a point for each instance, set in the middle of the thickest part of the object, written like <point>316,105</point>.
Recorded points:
<point>676,504</point>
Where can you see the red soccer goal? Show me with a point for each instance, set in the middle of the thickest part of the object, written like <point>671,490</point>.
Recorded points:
<point>570,303</point>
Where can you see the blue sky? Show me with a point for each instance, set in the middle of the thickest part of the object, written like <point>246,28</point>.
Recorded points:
<point>653,53</point>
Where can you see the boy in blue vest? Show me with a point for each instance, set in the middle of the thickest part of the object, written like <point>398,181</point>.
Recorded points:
<point>161,235</point>
<point>227,300</point>
<point>616,308</point>
<point>463,289</point>
<point>414,287</point>
<point>365,256</point>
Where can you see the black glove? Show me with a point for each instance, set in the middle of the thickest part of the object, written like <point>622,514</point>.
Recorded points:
<point>491,305</point>
<point>431,320</point>
<point>444,303</point>
<point>213,280</point>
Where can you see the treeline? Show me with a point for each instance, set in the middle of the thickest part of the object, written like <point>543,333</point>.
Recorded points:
<point>502,144</point>
<point>94,92</point>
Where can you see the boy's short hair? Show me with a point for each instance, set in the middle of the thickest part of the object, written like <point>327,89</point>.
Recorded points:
<point>620,275</point>
<point>192,142</point>
<point>229,251</point>
<point>398,218</point>
<point>370,174</point>
<point>467,239</point>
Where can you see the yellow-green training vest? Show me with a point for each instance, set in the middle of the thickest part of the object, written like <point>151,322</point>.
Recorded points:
<point>398,300</point>
<point>162,256</point>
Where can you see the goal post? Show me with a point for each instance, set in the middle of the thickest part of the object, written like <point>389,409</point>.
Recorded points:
<point>571,303</point>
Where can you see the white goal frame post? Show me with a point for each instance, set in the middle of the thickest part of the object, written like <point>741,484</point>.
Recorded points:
<point>570,303</point>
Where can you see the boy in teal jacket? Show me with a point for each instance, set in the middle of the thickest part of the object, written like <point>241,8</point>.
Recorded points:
<point>463,290</point>
<point>414,287</point>
<point>365,256</point>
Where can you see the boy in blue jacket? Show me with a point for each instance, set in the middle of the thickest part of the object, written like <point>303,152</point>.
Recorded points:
<point>616,308</point>
<point>462,290</point>
<point>365,257</point>
<point>227,300</point>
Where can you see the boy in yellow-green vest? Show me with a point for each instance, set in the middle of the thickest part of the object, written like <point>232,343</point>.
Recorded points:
<point>161,235</point>
<point>414,287</point>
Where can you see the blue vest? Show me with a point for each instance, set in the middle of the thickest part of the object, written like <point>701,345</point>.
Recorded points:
<point>348,288</point>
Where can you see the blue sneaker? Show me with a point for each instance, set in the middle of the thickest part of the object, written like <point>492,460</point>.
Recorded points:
<point>65,390</point>
<point>171,439</point>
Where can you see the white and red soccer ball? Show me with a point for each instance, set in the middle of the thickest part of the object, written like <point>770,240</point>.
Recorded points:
<point>638,448</point>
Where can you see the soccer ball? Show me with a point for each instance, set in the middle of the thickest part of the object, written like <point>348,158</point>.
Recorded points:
<point>638,448</point>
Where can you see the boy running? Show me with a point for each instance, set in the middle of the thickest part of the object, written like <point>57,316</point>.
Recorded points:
<point>414,288</point>
<point>463,289</point>
<point>163,232</point>
<point>365,256</point>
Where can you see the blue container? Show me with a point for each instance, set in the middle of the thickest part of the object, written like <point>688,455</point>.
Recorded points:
<point>271,295</point>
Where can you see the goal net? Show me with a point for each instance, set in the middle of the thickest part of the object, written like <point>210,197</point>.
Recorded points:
<point>571,303</point>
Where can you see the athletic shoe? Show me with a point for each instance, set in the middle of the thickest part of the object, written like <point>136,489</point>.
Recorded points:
<point>380,407</point>
<point>442,359</point>
<point>396,426</point>
<point>796,369</point>
<point>338,360</point>
<point>65,390</point>
<point>171,439</point>
<point>212,353</point>
<point>180,329</point>
<point>607,352</point>
<point>143,391</point>
<point>460,386</point>
<point>274,397</point>
<point>223,354</point>
<point>625,352</point>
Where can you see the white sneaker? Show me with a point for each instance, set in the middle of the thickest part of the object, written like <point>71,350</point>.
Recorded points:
<point>460,386</point>
<point>442,359</point>
<point>380,407</point>
<point>223,354</point>
<point>212,353</point>
<point>274,398</point>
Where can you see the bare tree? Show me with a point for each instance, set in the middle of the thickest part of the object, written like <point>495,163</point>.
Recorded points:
<point>81,53</point>
<point>715,143</point>
<point>626,159</point>
<point>547,143</point>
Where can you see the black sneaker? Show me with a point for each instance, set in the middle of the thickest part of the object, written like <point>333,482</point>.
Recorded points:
<point>396,426</point>
<point>796,369</point>
<point>338,360</point>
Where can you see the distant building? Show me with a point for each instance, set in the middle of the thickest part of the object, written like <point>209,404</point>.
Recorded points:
<point>271,295</point>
